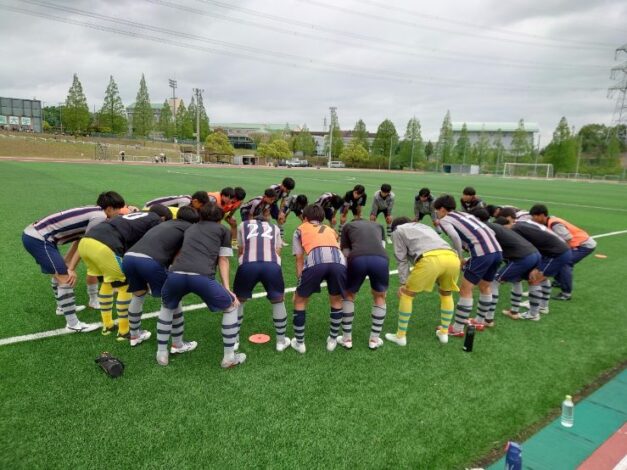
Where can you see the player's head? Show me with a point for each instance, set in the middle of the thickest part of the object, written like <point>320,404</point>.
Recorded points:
<point>400,221</point>
<point>444,204</point>
<point>110,202</point>
<point>269,195</point>
<point>199,199</point>
<point>481,214</point>
<point>288,183</point>
<point>508,213</point>
<point>211,212</point>
<point>227,194</point>
<point>504,221</point>
<point>468,194</point>
<point>336,201</point>
<point>188,214</point>
<point>313,213</point>
<point>301,201</point>
<point>239,193</point>
<point>358,191</point>
<point>424,194</point>
<point>162,211</point>
<point>493,211</point>
<point>539,213</point>
<point>385,189</point>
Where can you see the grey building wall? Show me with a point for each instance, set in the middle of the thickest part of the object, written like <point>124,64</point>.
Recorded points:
<point>20,114</point>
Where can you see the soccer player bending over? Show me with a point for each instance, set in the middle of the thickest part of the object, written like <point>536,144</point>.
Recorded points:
<point>196,200</point>
<point>42,238</point>
<point>282,192</point>
<point>423,205</point>
<point>258,206</point>
<point>295,204</point>
<point>435,262</point>
<point>145,265</point>
<point>260,245</point>
<point>354,201</point>
<point>330,204</point>
<point>206,248</point>
<point>318,259</point>
<point>469,200</point>
<point>383,202</point>
<point>229,200</point>
<point>363,242</point>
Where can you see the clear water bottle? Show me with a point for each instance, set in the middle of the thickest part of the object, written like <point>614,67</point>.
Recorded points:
<point>568,412</point>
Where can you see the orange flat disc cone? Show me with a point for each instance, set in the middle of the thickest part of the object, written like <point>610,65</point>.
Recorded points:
<point>600,256</point>
<point>259,338</point>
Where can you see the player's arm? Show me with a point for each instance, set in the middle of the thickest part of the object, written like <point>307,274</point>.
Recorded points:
<point>240,238</point>
<point>72,262</point>
<point>562,231</point>
<point>402,257</point>
<point>345,243</point>
<point>298,252</point>
<point>454,236</point>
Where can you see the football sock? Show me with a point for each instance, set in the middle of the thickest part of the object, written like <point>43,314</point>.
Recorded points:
<point>229,332</point>
<point>92,292</point>
<point>377,316</point>
<point>389,230</point>
<point>485,303</point>
<point>348,309</point>
<point>405,305</point>
<point>546,293</point>
<point>178,326</point>
<point>135,309</point>
<point>495,300</point>
<point>279,317</point>
<point>336,320</point>
<point>105,298</point>
<point>67,303</point>
<point>464,307</point>
<point>121,304</point>
<point>54,284</point>
<point>447,308</point>
<point>164,328</point>
<point>535,299</point>
<point>240,319</point>
<point>299,325</point>
<point>516,296</point>
<point>282,232</point>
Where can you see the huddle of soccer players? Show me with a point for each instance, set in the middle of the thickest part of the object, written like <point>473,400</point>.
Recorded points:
<point>177,244</point>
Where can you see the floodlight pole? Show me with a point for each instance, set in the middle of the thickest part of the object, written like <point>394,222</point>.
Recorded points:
<point>332,110</point>
<point>173,85</point>
<point>197,93</point>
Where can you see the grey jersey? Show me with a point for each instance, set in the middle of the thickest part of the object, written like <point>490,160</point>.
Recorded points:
<point>411,241</point>
<point>422,208</point>
<point>363,238</point>
<point>163,242</point>
<point>203,244</point>
<point>382,204</point>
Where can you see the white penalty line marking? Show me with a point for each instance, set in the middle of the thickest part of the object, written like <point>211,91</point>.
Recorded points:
<point>187,308</point>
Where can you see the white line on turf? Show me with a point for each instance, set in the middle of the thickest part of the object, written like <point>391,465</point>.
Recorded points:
<point>187,308</point>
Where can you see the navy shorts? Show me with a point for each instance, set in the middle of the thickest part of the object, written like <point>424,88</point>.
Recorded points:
<point>46,254</point>
<point>552,266</point>
<point>248,275</point>
<point>333,273</point>
<point>352,207</point>
<point>328,213</point>
<point>517,270</point>
<point>142,272</point>
<point>377,268</point>
<point>178,285</point>
<point>482,268</point>
<point>274,211</point>
<point>385,212</point>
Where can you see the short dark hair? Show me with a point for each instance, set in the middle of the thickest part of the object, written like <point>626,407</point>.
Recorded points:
<point>239,193</point>
<point>481,214</point>
<point>447,201</point>
<point>400,221</point>
<point>313,213</point>
<point>289,183</point>
<point>337,201</point>
<point>211,212</point>
<point>507,212</point>
<point>424,192</point>
<point>110,199</point>
<point>227,192</point>
<point>386,188</point>
<point>201,196</point>
<point>539,209</point>
<point>469,191</point>
<point>301,201</point>
<point>501,220</point>
<point>269,193</point>
<point>359,188</point>
<point>492,209</point>
<point>161,211</point>
<point>188,214</point>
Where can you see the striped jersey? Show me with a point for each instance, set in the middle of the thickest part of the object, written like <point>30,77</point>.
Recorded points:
<point>259,241</point>
<point>465,230</point>
<point>380,203</point>
<point>324,201</point>
<point>171,201</point>
<point>280,194</point>
<point>68,226</point>
<point>328,252</point>
<point>254,208</point>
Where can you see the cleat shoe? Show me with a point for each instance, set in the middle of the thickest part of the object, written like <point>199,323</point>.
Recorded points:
<point>544,310</point>
<point>237,359</point>
<point>489,324</point>
<point>511,314</point>
<point>528,316</point>
<point>388,240</point>
<point>81,327</point>
<point>300,347</point>
<point>163,358</point>
<point>78,308</point>
<point>143,336</point>
<point>479,326</point>
<point>525,304</point>
<point>400,340</point>
<point>234,244</point>
<point>107,330</point>
<point>375,343</point>
<point>442,335</point>
<point>185,346</point>
<point>236,345</point>
<point>452,332</point>
<point>123,337</point>
<point>283,345</point>
<point>95,305</point>
<point>331,344</point>
<point>562,296</point>
<point>525,294</point>
<point>345,343</point>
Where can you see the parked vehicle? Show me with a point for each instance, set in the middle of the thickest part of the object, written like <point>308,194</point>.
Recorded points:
<point>295,162</point>
<point>336,164</point>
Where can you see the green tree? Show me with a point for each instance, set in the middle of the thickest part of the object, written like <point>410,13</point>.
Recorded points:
<point>562,155</point>
<point>354,154</point>
<point>143,117</point>
<point>562,131</point>
<point>429,149</point>
<point>462,146</point>
<point>190,119</point>
<point>184,125</point>
<point>386,139</point>
<point>412,150</point>
<point>498,149</point>
<point>52,115</point>
<point>75,115</point>
<point>522,147</point>
<point>360,134</point>
<point>304,142</point>
<point>444,147</point>
<point>336,133</point>
<point>278,148</point>
<point>218,143</point>
<point>204,119</point>
<point>481,149</point>
<point>112,114</point>
<point>166,121</point>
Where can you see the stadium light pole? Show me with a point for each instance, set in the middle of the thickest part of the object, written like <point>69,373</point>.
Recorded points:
<point>173,84</point>
<point>332,110</point>
<point>197,93</point>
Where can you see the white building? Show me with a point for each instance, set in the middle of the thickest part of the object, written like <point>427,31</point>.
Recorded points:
<point>491,129</point>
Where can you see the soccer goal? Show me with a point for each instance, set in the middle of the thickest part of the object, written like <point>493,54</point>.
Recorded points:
<point>530,170</point>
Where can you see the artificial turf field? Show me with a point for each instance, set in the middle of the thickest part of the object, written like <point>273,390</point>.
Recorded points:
<point>423,406</point>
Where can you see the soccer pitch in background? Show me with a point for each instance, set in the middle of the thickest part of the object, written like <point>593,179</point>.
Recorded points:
<point>423,406</point>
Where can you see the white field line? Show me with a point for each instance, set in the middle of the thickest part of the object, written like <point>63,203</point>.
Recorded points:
<point>187,308</point>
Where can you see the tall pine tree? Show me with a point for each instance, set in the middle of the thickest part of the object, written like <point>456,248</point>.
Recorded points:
<point>112,114</point>
<point>385,140</point>
<point>562,131</point>
<point>204,119</point>
<point>360,134</point>
<point>166,121</point>
<point>412,147</point>
<point>444,147</point>
<point>336,133</point>
<point>462,146</point>
<point>75,114</point>
<point>143,117</point>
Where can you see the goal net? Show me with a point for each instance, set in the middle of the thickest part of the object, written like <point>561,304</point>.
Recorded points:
<point>530,170</point>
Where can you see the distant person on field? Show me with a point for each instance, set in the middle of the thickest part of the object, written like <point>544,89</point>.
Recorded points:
<point>423,205</point>
<point>354,201</point>
<point>258,207</point>
<point>470,200</point>
<point>330,204</point>
<point>282,192</point>
<point>382,203</point>
<point>174,203</point>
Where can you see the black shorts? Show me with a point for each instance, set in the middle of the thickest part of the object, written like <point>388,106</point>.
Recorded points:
<point>248,275</point>
<point>333,273</point>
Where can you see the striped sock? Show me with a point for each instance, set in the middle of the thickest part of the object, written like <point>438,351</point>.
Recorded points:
<point>389,230</point>
<point>464,307</point>
<point>67,302</point>
<point>105,298</point>
<point>339,230</point>
<point>535,299</point>
<point>348,307</point>
<point>122,302</point>
<point>54,285</point>
<point>229,332</point>
<point>516,296</point>
<point>178,326</point>
<point>240,318</point>
<point>282,232</point>
<point>495,300</point>
<point>485,302</point>
<point>405,306</point>
<point>92,292</point>
<point>546,293</point>
<point>164,328</point>
<point>135,310</point>
<point>447,308</point>
<point>335,321</point>
<point>377,316</point>
<point>298,321</point>
<point>279,317</point>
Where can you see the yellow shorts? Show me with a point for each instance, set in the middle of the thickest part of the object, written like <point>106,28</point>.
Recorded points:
<point>173,210</point>
<point>101,260</point>
<point>439,267</point>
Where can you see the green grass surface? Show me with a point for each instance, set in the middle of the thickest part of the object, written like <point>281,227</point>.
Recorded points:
<point>423,406</point>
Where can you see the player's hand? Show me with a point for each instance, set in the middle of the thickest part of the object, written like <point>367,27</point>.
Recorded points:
<point>133,209</point>
<point>372,218</point>
<point>231,221</point>
<point>281,218</point>
<point>462,262</point>
<point>388,219</point>
<point>71,277</point>
<point>235,300</point>
<point>400,291</point>
<point>333,222</point>
<point>535,276</point>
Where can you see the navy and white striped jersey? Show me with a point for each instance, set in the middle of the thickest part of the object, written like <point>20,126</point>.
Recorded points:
<point>171,201</point>
<point>280,194</point>
<point>259,241</point>
<point>466,230</point>
<point>70,225</point>
<point>254,208</point>
<point>324,201</point>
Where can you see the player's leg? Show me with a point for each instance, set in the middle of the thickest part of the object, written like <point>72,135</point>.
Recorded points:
<point>309,283</point>
<point>122,302</point>
<point>174,289</point>
<point>271,278</point>
<point>565,276</point>
<point>379,274</point>
<point>92,291</point>
<point>388,227</point>
<point>246,278</point>
<point>447,282</point>
<point>137,286</point>
<point>356,272</point>
<point>335,276</point>
<point>180,346</point>
<point>343,216</point>
<point>465,302</point>
<point>405,306</point>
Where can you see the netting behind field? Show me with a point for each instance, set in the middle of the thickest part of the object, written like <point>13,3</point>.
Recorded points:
<point>528,170</point>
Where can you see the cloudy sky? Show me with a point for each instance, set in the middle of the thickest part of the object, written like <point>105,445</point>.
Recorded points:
<point>289,60</point>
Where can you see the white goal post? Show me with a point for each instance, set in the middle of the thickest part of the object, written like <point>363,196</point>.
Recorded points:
<point>529,170</point>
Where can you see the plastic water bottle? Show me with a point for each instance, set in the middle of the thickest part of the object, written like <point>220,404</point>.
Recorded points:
<point>513,456</point>
<point>469,339</point>
<point>568,412</point>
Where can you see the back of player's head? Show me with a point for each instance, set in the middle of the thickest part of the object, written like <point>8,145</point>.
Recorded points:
<point>337,201</point>
<point>313,213</point>
<point>110,199</point>
<point>481,214</point>
<point>400,221</point>
<point>161,211</point>
<point>188,214</point>
<point>501,220</point>
<point>211,212</point>
<point>507,212</point>
<point>359,189</point>
<point>201,196</point>
<point>227,192</point>
<point>424,192</point>
<point>301,201</point>
<point>386,188</point>
<point>539,209</point>
<point>469,191</point>
<point>269,193</point>
<point>492,209</point>
<point>446,201</point>
<point>289,183</point>
<point>239,193</point>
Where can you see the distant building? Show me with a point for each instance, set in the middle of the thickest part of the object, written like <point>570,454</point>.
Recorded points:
<point>491,129</point>
<point>347,136</point>
<point>18,114</point>
<point>130,111</point>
